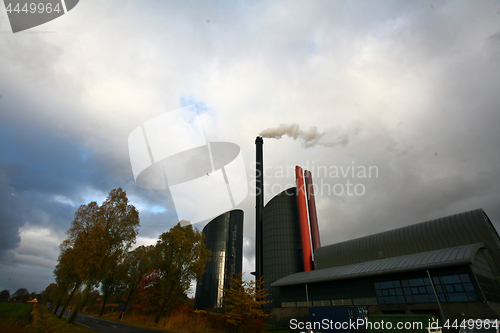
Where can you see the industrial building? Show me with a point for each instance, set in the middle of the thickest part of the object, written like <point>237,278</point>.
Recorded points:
<point>282,250</point>
<point>224,237</point>
<point>454,259</point>
<point>283,237</point>
<point>448,267</point>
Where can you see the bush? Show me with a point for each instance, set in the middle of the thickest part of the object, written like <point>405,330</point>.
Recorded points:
<point>189,320</point>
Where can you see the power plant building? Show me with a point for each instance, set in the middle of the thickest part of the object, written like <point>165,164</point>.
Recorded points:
<point>282,250</point>
<point>448,267</point>
<point>454,259</point>
<point>224,237</point>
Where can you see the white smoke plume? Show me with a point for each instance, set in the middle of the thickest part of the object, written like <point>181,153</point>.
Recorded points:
<point>310,137</point>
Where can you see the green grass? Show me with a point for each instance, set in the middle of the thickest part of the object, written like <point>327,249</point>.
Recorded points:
<point>27,318</point>
<point>15,312</point>
<point>13,316</point>
<point>45,321</point>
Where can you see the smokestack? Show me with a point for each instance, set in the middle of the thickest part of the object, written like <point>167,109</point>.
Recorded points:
<point>259,206</point>
<point>313,217</point>
<point>304,224</point>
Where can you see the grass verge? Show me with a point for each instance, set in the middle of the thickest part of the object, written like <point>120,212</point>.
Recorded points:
<point>45,321</point>
<point>27,318</point>
<point>14,316</point>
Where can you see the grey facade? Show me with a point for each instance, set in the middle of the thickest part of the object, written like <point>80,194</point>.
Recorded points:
<point>282,250</point>
<point>455,259</point>
<point>456,230</point>
<point>224,237</point>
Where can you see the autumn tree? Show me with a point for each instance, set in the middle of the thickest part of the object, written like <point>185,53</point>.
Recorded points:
<point>135,266</point>
<point>109,285</point>
<point>148,296</point>
<point>66,278</point>
<point>110,279</point>
<point>98,235</point>
<point>243,304</point>
<point>180,257</point>
<point>50,294</point>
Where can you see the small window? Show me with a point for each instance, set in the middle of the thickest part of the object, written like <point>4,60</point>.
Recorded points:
<point>386,285</point>
<point>468,287</point>
<point>458,297</point>
<point>416,282</point>
<point>450,279</point>
<point>464,278</point>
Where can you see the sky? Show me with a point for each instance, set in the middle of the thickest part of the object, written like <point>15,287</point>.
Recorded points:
<point>393,106</point>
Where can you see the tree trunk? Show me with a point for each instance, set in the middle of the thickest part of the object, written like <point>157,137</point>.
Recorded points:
<point>81,303</point>
<point>126,303</point>
<point>60,299</point>
<point>105,297</point>
<point>69,299</point>
<point>161,311</point>
<point>129,297</point>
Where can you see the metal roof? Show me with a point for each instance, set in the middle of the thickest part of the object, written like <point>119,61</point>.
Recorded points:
<point>456,230</point>
<point>459,255</point>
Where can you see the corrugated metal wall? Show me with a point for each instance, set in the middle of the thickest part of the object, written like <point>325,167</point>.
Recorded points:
<point>456,230</point>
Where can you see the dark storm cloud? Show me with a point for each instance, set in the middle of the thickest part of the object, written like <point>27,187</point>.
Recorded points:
<point>43,176</point>
<point>9,221</point>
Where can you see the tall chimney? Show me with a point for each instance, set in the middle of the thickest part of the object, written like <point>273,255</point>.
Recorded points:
<point>259,206</point>
<point>304,223</point>
<point>313,217</point>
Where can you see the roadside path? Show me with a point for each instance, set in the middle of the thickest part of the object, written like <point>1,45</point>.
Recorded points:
<point>107,326</point>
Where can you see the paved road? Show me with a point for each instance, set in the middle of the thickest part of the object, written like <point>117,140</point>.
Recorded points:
<point>106,326</point>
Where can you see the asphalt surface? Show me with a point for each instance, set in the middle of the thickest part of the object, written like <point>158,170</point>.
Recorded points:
<point>106,326</point>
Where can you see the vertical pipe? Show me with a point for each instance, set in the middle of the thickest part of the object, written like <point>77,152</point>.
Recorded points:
<point>313,217</point>
<point>307,297</point>
<point>304,224</point>
<point>259,205</point>
<point>439,303</point>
